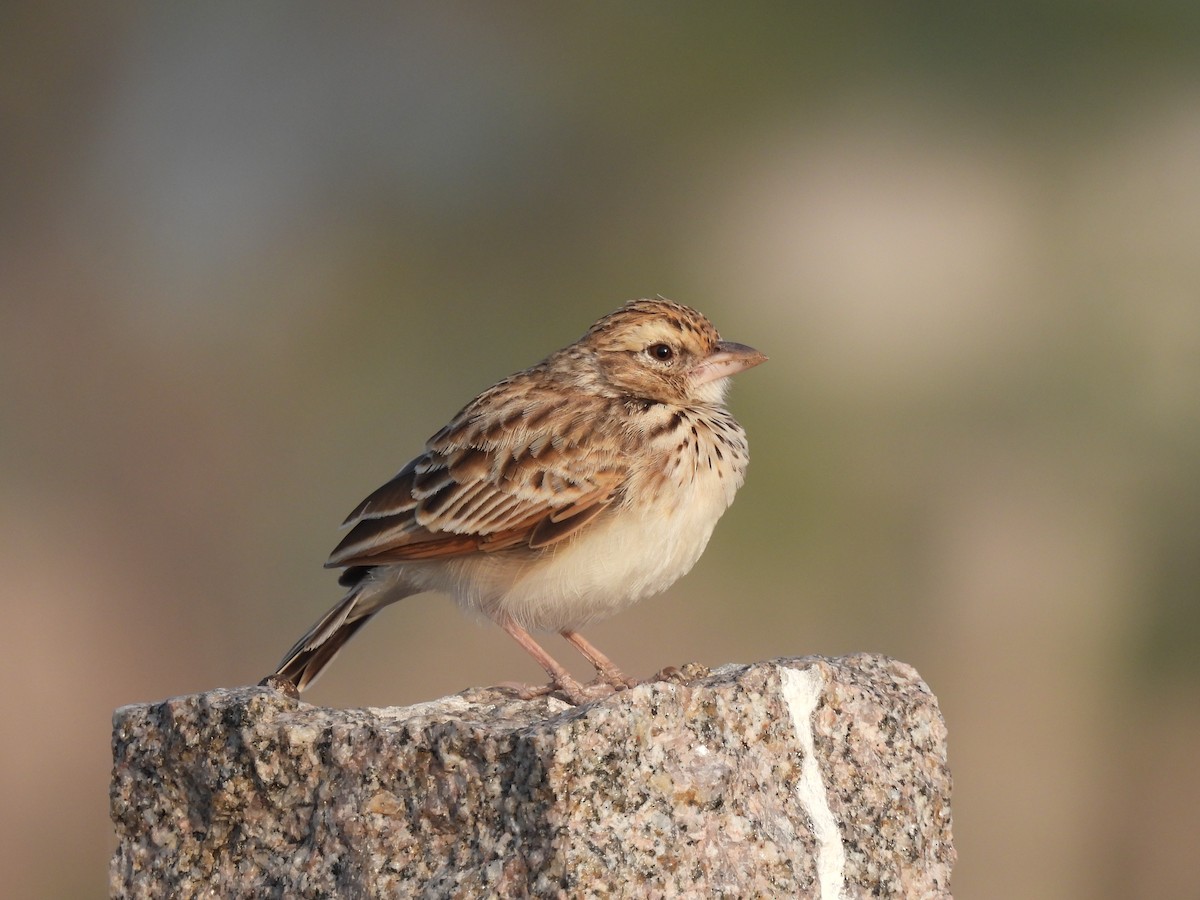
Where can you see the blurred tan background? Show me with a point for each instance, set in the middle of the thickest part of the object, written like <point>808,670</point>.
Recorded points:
<point>252,256</point>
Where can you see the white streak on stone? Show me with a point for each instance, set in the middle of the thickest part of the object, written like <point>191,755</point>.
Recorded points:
<point>801,690</point>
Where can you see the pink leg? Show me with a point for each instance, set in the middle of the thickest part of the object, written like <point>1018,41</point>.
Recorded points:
<point>559,677</point>
<point>603,664</point>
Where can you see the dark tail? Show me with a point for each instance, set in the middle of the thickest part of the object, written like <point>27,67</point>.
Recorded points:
<point>305,662</point>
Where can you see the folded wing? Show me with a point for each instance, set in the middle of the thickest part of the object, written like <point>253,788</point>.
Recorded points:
<point>488,484</point>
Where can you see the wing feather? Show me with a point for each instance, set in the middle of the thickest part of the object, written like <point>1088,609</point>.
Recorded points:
<point>489,482</point>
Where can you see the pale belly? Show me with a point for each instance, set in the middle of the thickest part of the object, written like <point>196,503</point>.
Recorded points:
<point>622,558</point>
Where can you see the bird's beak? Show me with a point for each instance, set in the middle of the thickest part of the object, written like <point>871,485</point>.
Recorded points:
<point>729,359</point>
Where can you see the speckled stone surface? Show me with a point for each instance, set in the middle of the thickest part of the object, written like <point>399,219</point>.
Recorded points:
<point>804,777</point>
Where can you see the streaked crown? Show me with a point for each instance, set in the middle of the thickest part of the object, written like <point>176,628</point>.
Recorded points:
<point>641,320</point>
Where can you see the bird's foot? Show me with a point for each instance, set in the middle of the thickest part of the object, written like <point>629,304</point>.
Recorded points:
<point>596,689</point>
<point>615,678</point>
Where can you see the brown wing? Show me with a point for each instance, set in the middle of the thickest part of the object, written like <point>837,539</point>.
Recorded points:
<point>491,482</point>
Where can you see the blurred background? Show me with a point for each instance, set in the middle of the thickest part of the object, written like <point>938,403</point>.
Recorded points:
<point>251,257</point>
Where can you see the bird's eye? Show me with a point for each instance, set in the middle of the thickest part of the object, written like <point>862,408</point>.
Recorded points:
<point>661,352</point>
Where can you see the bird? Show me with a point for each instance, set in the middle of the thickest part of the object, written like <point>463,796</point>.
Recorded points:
<point>558,497</point>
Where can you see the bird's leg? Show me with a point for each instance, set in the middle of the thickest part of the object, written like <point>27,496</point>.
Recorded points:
<point>604,665</point>
<point>560,678</point>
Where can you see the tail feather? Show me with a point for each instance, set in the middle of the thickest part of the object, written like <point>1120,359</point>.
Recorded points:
<point>304,666</point>
<point>307,659</point>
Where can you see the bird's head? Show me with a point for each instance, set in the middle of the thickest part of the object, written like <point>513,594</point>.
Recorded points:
<point>666,352</point>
